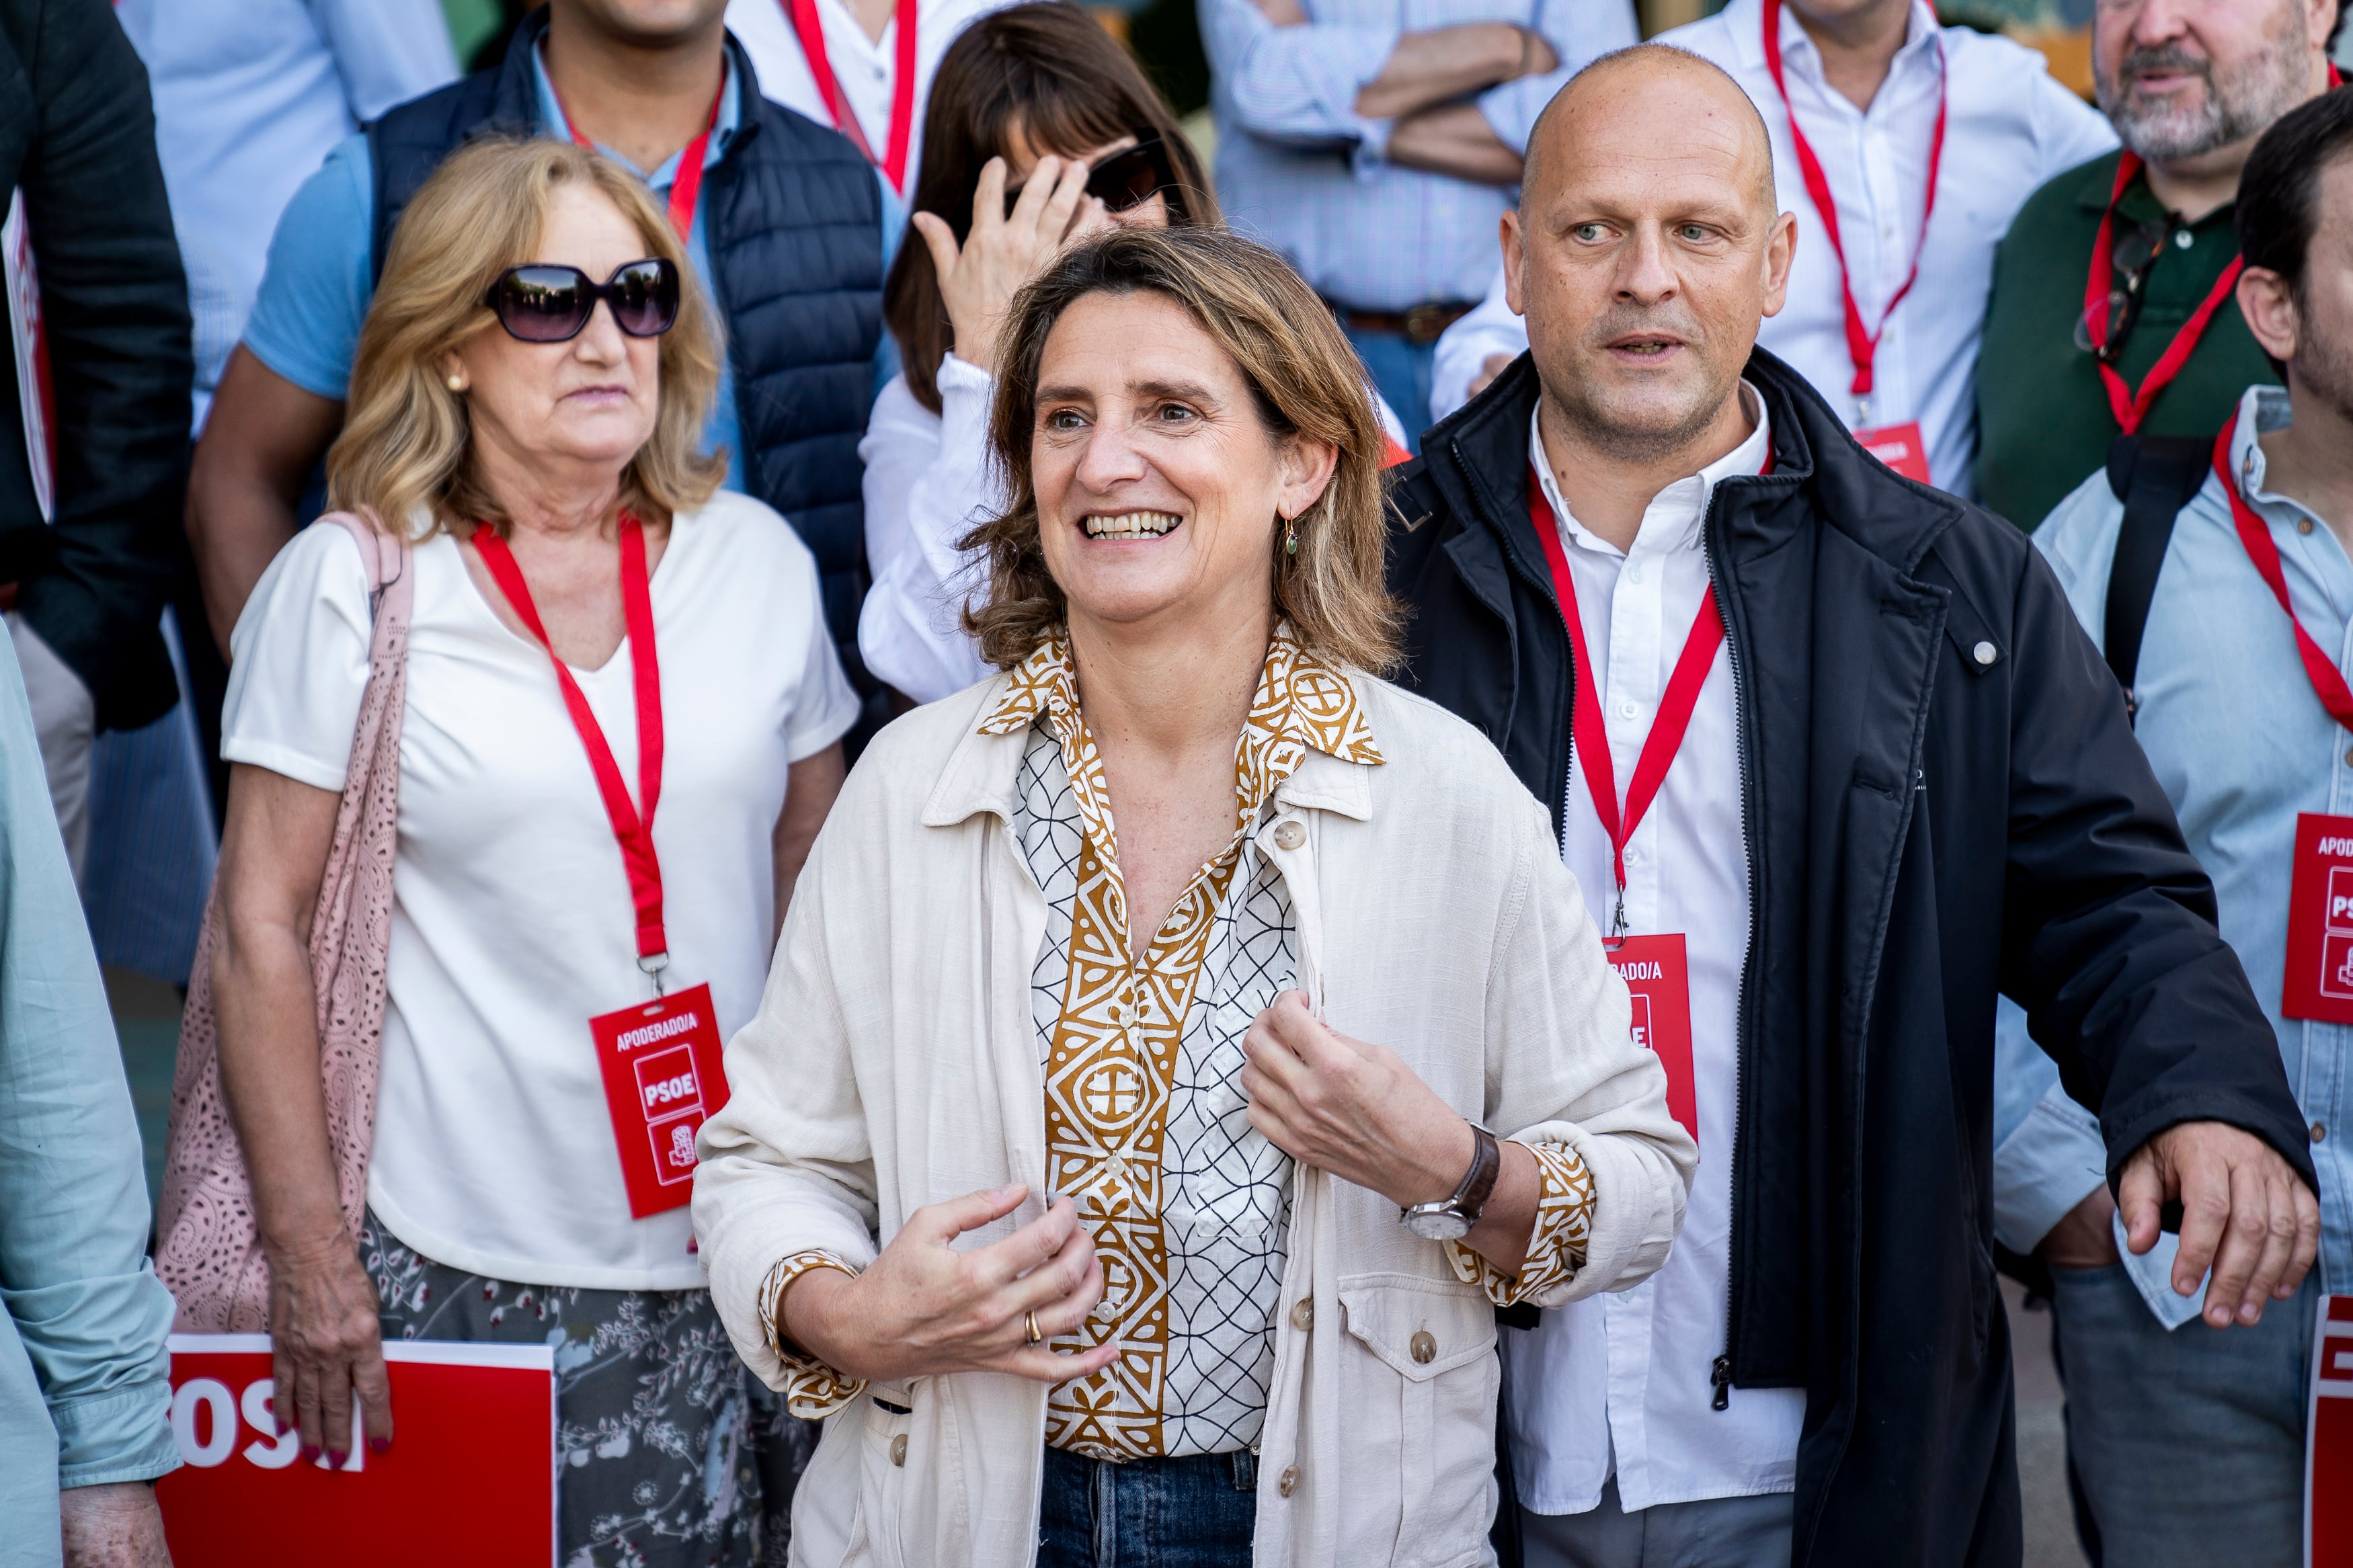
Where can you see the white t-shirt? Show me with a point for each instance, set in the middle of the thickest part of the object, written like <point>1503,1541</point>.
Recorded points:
<point>512,921</point>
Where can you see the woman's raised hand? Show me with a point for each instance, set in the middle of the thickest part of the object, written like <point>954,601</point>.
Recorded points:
<point>923,1308</point>
<point>1005,250</point>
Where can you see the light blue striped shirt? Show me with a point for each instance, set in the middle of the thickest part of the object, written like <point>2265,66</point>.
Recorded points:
<point>1299,169</point>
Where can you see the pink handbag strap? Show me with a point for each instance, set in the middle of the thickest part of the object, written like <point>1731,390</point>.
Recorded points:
<point>207,1251</point>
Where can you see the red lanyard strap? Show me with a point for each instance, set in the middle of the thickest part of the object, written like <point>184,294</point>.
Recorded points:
<point>1862,342</point>
<point>1587,722</point>
<point>632,830</point>
<point>686,185</point>
<point>2130,407</point>
<point>2255,534</point>
<point>810,30</point>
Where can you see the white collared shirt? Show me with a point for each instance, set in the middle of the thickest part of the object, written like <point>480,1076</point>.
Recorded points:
<point>865,68</point>
<point>2009,128</point>
<point>1623,1381</point>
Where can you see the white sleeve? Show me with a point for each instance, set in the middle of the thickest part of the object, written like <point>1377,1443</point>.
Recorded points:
<point>2068,132</point>
<point>299,661</point>
<point>928,482</point>
<point>1462,349</point>
<point>824,706</point>
<point>387,52</point>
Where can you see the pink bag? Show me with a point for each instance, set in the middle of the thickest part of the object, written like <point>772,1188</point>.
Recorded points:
<point>208,1253</point>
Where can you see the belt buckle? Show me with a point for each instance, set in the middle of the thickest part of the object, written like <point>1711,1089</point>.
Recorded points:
<point>1425,322</point>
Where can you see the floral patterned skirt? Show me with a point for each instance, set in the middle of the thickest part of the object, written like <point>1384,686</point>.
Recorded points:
<point>669,1453</point>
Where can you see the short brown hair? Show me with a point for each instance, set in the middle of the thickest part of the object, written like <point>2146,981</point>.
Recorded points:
<point>1306,383</point>
<point>1049,71</point>
<point>408,441</point>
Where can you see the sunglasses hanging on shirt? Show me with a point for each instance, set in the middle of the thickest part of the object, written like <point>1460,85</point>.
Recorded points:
<point>551,304</point>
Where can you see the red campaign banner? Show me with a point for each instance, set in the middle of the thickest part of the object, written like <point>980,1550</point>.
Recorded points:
<point>472,1462</point>
<point>664,1077</point>
<point>2328,1439</point>
<point>2318,981</point>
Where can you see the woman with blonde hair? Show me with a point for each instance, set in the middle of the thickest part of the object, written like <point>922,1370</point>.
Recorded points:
<point>1180,971</point>
<point>618,733</point>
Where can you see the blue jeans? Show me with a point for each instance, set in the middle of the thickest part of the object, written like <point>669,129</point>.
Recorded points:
<point>1715,1533</point>
<point>1193,1512</point>
<point>2187,1447</point>
<point>1400,369</point>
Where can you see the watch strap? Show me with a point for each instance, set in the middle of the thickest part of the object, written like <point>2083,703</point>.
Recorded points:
<point>1470,1199</point>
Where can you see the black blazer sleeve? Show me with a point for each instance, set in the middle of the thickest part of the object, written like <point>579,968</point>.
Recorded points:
<point>2108,926</point>
<point>79,141</point>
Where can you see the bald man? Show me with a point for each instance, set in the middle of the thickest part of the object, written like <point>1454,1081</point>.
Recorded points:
<point>1834,765</point>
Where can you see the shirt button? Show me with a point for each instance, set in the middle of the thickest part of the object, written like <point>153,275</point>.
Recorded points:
<point>1423,1346</point>
<point>1289,1481</point>
<point>1290,834</point>
<point>899,1450</point>
<point>2348,757</point>
<point>1985,653</point>
<point>1633,574</point>
<point>2304,525</point>
<point>2183,239</point>
<point>1303,1316</point>
<point>1627,710</point>
<point>1633,856</point>
<point>2320,1130</point>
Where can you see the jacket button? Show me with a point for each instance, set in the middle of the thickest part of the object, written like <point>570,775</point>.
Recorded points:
<point>1289,1481</point>
<point>1290,834</point>
<point>2320,1130</point>
<point>1424,1347</point>
<point>1985,653</point>
<point>899,1450</point>
<point>1303,1316</point>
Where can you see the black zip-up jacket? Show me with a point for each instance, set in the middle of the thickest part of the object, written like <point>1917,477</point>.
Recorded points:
<point>78,138</point>
<point>1941,800</point>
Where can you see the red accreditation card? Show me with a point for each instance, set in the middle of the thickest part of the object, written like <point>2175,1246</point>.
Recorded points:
<point>2319,984</point>
<point>2328,1440</point>
<point>663,1076</point>
<point>472,1462</point>
<point>1658,979</point>
<point>1900,447</point>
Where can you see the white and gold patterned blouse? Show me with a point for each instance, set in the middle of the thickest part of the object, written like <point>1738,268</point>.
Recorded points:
<point>1146,1127</point>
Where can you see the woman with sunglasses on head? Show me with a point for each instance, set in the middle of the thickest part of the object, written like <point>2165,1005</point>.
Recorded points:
<point>1039,129</point>
<point>619,732</point>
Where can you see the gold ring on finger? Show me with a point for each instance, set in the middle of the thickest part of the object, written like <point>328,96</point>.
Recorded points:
<point>1035,1337</point>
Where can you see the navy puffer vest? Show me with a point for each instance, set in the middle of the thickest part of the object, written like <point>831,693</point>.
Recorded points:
<point>793,221</point>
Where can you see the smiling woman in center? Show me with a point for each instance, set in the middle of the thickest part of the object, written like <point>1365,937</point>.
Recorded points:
<point>1098,966</point>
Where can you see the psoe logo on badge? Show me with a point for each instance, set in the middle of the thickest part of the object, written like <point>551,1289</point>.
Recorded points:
<point>2336,935</point>
<point>666,1083</point>
<point>673,1146</point>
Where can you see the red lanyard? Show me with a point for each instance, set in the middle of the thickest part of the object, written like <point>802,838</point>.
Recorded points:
<point>811,30</point>
<point>2129,406</point>
<point>1862,344</point>
<point>2255,534</point>
<point>686,185</point>
<point>1590,730</point>
<point>633,829</point>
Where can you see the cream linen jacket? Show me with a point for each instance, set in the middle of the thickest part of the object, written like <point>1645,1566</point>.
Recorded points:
<point>894,1064</point>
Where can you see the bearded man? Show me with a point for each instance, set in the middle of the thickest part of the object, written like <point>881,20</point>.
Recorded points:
<point>2112,308</point>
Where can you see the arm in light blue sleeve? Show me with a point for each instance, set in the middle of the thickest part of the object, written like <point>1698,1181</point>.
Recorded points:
<point>74,1276</point>
<point>2048,1155</point>
<point>386,51</point>
<point>314,293</point>
<point>1296,85</point>
<point>1580,32</point>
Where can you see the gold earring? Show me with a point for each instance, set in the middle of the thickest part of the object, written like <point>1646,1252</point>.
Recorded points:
<point>1291,536</point>
<point>457,384</point>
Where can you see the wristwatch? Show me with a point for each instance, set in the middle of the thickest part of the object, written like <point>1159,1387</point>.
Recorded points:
<point>1451,1218</point>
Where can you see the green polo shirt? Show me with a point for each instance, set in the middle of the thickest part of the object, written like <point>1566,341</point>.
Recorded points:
<point>2044,418</point>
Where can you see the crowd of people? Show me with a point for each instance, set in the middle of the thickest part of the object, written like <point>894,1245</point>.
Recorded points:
<point>1413,830</point>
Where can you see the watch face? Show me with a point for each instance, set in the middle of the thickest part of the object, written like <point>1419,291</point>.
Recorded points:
<point>1436,1221</point>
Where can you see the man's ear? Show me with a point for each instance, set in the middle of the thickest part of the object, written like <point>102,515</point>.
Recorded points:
<point>2269,306</point>
<point>1514,257</point>
<point>1781,249</point>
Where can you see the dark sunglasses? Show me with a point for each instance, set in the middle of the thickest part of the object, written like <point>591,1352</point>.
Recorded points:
<point>548,304</point>
<point>1131,178</point>
<point>2134,256</point>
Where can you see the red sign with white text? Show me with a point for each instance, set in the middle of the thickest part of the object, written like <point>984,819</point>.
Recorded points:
<point>1658,978</point>
<point>1900,447</point>
<point>471,1465</point>
<point>2319,983</point>
<point>664,1077</point>
<point>2328,1440</point>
